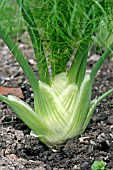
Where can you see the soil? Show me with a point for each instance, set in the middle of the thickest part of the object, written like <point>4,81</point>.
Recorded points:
<point>20,151</point>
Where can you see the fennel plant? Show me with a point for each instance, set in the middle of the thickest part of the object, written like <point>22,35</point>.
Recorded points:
<point>62,101</point>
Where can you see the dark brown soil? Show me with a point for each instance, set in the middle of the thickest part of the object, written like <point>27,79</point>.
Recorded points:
<point>20,151</point>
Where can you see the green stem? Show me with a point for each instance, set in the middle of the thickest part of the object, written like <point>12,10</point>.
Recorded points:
<point>104,96</point>
<point>101,61</point>
<point>82,69</point>
<point>75,73</point>
<point>20,58</point>
<point>91,111</point>
<point>36,42</point>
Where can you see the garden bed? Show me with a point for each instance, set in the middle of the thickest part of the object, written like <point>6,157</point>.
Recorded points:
<point>20,151</point>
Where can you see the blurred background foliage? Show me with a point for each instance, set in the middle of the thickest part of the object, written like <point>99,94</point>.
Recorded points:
<point>11,18</point>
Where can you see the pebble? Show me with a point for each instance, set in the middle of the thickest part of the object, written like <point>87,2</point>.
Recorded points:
<point>101,137</point>
<point>84,139</point>
<point>10,129</point>
<point>76,167</point>
<point>8,150</point>
<point>110,119</point>
<point>19,146</point>
<point>111,128</point>
<point>92,142</point>
<point>19,134</point>
<point>12,156</point>
<point>32,62</point>
<point>111,135</point>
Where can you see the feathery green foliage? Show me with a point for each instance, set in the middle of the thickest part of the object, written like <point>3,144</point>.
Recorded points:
<point>67,24</point>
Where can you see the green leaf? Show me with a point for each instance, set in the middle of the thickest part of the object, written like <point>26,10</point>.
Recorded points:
<point>50,135</point>
<point>98,165</point>
<point>80,109</point>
